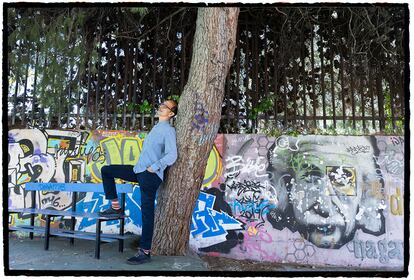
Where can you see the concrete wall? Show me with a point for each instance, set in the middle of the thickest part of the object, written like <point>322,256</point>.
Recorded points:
<point>320,200</point>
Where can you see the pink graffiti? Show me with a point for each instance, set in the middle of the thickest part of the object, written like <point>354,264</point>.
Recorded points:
<point>257,240</point>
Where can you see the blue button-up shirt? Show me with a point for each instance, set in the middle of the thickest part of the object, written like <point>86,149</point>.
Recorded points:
<point>159,149</point>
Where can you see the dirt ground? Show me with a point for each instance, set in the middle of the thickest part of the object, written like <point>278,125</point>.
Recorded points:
<point>226,264</point>
<point>215,263</point>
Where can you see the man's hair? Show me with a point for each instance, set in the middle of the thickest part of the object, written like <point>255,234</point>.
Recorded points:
<point>174,107</point>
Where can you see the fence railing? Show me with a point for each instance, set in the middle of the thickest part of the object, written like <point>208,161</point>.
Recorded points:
<point>286,75</point>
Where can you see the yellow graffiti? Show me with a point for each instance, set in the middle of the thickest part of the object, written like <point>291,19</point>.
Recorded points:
<point>117,149</point>
<point>98,164</point>
<point>376,190</point>
<point>112,149</point>
<point>11,219</point>
<point>23,178</point>
<point>396,203</point>
<point>252,231</point>
<point>131,151</point>
<point>15,220</point>
<point>75,175</point>
<point>25,148</point>
<point>214,167</point>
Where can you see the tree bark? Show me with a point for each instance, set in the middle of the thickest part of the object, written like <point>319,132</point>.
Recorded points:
<point>199,113</point>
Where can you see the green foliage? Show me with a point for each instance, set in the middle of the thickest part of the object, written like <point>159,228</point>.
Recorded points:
<point>331,130</point>
<point>145,107</point>
<point>303,164</point>
<point>276,132</point>
<point>399,124</point>
<point>142,135</point>
<point>140,11</point>
<point>58,43</point>
<point>264,105</point>
<point>174,97</point>
<point>132,107</point>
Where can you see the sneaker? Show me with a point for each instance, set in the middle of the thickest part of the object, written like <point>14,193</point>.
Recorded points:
<point>111,212</point>
<point>140,258</point>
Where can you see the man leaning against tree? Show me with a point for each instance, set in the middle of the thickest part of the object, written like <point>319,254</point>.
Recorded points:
<point>158,151</point>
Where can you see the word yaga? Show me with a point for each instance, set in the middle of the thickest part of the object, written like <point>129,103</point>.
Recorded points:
<point>383,249</point>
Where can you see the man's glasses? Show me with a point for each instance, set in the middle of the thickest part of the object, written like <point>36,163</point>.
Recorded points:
<point>165,105</point>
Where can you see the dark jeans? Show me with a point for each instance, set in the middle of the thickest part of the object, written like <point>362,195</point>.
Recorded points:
<point>148,183</point>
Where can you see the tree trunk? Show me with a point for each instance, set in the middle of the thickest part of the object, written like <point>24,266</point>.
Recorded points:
<point>88,93</point>
<point>16,88</point>
<point>98,79</point>
<point>126,69</point>
<point>70,90</point>
<point>134,96</point>
<point>25,89</point>
<point>35,88</point>
<point>107,83</point>
<point>213,48</point>
<point>114,122</point>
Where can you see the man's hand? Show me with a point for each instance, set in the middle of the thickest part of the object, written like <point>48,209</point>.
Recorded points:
<point>149,169</point>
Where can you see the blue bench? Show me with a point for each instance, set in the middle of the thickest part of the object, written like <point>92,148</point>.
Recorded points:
<point>99,237</point>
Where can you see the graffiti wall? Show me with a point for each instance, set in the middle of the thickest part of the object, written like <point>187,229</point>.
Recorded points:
<point>319,200</point>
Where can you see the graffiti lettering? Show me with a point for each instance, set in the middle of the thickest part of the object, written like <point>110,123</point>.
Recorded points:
<point>236,165</point>
<point>283,143</point>
<point>252,211</point>
<point>95,202</point>
<point>93,153</point>
<point>382,250</point>
<point>209,224</point>
<point>52,201</point>
<point>251,187</point>
<point>397,140</point>
<point>396,203</point>
<point>358,149</point>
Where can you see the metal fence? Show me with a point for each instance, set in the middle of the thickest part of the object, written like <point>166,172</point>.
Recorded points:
<point>306,81</point>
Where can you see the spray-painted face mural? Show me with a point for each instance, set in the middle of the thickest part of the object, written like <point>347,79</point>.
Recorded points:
<point>323,188</point>
<point>310,199</point>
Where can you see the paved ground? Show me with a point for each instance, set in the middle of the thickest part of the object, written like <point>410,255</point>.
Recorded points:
<point>24,254</point>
